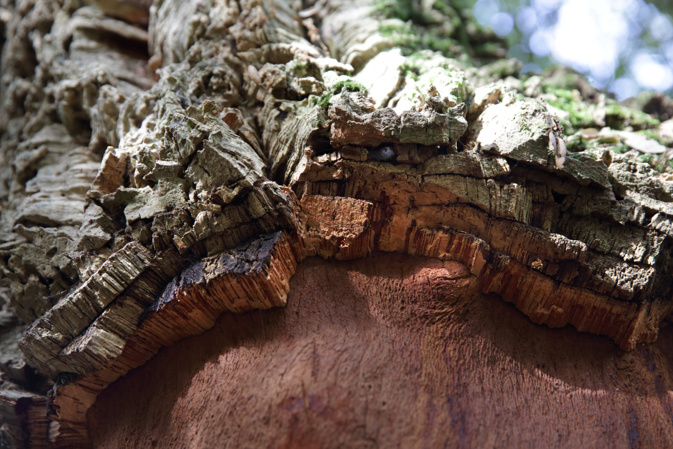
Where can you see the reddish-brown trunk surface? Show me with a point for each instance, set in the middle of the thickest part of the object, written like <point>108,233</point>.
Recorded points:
<point>391,351</point>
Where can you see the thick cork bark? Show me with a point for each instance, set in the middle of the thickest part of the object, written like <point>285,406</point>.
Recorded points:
<point>167,164</point>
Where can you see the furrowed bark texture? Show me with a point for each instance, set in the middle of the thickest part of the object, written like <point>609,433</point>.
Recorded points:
<point>165,164</point>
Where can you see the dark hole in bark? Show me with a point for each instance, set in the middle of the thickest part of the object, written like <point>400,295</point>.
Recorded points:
<point>320,144</point>
<point>558,197</point>
<point>383,153</point>
<point>129,47</point>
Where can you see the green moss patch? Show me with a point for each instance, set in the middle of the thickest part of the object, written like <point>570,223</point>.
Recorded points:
<point>619,117</point>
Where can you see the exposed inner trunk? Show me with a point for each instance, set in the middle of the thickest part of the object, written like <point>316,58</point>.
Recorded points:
<point>390,351</point>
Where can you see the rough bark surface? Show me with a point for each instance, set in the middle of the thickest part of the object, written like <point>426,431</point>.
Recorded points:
<point>164,164</point>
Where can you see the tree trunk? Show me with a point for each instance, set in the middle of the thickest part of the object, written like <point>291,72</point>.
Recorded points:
<point>173,170</point>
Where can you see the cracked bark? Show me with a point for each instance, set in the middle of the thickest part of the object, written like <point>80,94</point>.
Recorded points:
<point>167,164</point>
